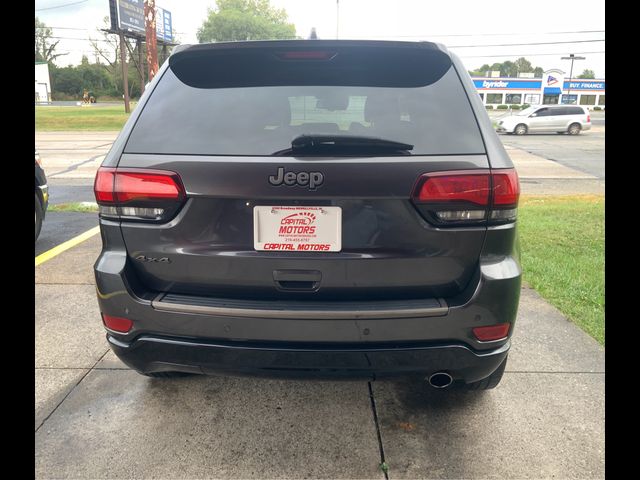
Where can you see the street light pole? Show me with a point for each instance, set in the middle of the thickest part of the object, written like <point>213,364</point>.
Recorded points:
<point>571,57</point>
<point>337,19</point>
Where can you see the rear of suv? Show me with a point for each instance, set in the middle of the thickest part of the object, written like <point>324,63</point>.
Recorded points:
<point>310,208</point>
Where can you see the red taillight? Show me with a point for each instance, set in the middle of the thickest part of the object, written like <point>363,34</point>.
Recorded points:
<point>136,194</point>
<point>451,187</point>
<point>506,187</point>
<point>588,118</point>
<point>492,332</point>
<point>103,185</point>
<point>306,55</point>
<point>147,186</point>
<point>468,196</point>
<point>117,324</point>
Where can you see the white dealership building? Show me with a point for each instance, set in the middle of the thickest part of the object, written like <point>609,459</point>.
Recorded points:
<point>552,88</point>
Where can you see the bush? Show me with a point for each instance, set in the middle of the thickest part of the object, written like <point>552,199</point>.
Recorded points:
<point>526,105</point>
<point>503,107</point>
<point>597,109</point>
<point>515,107</point>
<point>489,107</point>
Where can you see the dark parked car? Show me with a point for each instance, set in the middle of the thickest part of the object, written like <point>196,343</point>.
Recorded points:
<point>42,195</point>
<point>310,208</point>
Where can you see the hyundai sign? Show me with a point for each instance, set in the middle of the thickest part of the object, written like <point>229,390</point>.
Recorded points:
<point>130,18</point>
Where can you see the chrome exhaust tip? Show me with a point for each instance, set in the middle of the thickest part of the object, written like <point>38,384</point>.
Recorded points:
<point>440,380</point>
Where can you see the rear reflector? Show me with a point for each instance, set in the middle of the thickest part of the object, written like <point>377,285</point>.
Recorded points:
<point>117,324</point>
<point>492,332</point>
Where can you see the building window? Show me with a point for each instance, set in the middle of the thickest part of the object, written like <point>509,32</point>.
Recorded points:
<point>587,99</point>
<point>570,99</point>
<point>494,98</point>
<point>601,100</point>
<point>513,98</point>
<point>532,99</point>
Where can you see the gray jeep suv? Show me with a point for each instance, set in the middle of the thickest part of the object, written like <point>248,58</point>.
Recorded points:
<point>310,208</point>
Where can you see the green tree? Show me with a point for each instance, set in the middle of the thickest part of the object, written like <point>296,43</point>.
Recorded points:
<point>509,69</point>
<point>523,65</point>
<point>586,73</point>
<point>235,20</point>
<point>45,49</point>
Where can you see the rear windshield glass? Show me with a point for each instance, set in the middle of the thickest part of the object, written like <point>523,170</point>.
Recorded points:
<point>435,118</point>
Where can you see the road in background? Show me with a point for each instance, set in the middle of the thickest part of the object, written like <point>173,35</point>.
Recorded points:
<point>584,152</point>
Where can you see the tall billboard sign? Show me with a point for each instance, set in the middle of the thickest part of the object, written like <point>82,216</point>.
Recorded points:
<point>130,18</point>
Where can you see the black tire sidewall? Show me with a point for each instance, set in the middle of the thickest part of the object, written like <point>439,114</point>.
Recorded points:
<point>577,131</point>
<point>524,132</point>
<point>38,225</point>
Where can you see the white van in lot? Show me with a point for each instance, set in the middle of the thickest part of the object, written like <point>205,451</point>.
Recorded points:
<point>571,119</point>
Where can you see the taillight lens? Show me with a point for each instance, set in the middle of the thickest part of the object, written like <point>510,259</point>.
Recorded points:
<point>468,196</point>
<point>492,332</point>
<point>145,195</point>
<point>117,324</point>
<point>588,118</point>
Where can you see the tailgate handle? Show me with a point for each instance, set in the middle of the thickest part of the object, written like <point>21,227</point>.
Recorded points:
<point>300,280</point>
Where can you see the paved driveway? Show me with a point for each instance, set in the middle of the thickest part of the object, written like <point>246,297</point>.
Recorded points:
<point>96,419</point>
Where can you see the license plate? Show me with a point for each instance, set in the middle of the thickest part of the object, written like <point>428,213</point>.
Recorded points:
<point>297,229</point>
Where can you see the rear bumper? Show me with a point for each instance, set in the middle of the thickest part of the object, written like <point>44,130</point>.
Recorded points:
<point>149,354</point>
<point>204,335</point>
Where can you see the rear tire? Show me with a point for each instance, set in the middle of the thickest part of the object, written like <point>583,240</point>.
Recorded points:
<point>491,381</point>
<point>574,129</point>
<point>166,374</point>
<point>38,216</point>
<point>521,129</point>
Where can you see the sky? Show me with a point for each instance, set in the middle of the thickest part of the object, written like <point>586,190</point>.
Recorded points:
<point>477,31</point>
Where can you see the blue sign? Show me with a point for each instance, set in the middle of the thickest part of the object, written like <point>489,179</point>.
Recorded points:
<point>163,25</point>
<point>131,19</point>
<point>584,85</point>
<point>500,84</point>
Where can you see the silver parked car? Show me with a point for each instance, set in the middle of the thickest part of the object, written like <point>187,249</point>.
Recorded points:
<point>571,119</point>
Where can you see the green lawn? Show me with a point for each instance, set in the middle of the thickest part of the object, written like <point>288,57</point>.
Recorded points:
<point>49,119</point>
<point>562,242</point>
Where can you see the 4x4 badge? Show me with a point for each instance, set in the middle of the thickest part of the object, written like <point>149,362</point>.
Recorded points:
<point>302,179</point>
<point>144,258</point>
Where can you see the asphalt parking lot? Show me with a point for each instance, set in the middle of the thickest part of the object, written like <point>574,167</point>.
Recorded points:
<point>95,418</point>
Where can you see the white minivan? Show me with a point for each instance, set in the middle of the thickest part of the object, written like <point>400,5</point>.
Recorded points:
<point>571,119</point>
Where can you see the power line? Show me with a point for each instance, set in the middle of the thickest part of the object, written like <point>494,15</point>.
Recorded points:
<point>61,6</point>
<point>521,44</point>
<point>524,54</point>
<point>86,29</point>
<point>422,35</point>
<point>449,46</point>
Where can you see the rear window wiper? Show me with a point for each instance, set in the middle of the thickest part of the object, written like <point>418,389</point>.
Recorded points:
<point>345,144</point>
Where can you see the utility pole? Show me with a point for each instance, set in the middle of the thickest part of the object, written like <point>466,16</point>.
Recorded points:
<point>125,72</point>
<point>337,19</point>
<point>571,57</point>
<point>140,65</point>
<point>150,31</point>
